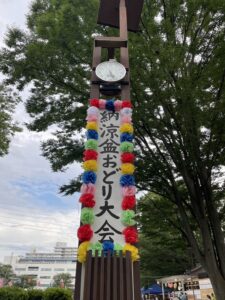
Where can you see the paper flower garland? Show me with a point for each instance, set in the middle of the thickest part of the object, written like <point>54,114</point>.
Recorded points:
<point>96,247</point>
<point>82,251</point>
<point>87,216</point>
<point>89,177</point>
<point>85,232</point>
<point>127,181</point>
<point>87,200</point>
<point>133,250</point>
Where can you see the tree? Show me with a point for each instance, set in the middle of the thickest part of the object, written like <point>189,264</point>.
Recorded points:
<point>62,278</point>
<point>8,101</point>
<point>25,281</point>
<point>164,250</point>
<point>6,272</point>
<point>177,76</point>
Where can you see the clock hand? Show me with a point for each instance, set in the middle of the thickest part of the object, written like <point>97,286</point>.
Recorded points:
<point>111,74</point>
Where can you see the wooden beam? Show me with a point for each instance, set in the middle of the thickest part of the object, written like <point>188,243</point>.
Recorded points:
<point>123,19</point>
<point>110,42</point>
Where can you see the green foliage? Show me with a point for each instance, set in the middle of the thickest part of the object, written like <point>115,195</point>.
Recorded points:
<point>8,101</point>
<point>164,248</point>
<point>65,277</point>
<point>178,77</point>
<point>6,272</point>
<point>35,294</point>
<point>25,281</point>
<point>57,294</point>
<point>12,293</point>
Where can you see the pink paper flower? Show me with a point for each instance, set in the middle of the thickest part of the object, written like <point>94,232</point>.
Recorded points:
<point>126,119</point>
<point>102,103</point>
<point>129,190</point>
<point>93,111</point>
<point>118,105</point>
<point>92,118</point>
<point>88,188</point>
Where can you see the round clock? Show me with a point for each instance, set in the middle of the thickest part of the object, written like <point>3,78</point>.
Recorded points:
<point>110,71</point>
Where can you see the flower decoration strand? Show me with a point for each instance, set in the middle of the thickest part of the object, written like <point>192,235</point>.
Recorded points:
<point>127,182</point>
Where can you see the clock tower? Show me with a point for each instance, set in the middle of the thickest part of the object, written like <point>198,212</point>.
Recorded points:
<point>108,255</point>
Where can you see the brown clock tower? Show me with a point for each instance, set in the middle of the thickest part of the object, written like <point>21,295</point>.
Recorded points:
<point>111,277</point>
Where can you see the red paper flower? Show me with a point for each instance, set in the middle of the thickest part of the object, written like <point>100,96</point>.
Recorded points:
<point>131,235</point>
<point>87,200</point>
<point>128,202</point>
<point>94,102</point>
<point>85,233</point>
<point>127,157</point>
<point>126,103</point>
<point>90,154</point>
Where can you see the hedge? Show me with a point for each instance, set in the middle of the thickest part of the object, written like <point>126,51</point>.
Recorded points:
<point>12,293</point>
<point>35,294</point>
<point>57,294</point>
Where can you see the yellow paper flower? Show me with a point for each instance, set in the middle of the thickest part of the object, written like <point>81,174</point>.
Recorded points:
<point>82,251</point>
<point>127,168</point>
<point>90,165</point>
<point>92,125</point>
<point>134,251</point>
<point>126,127</point>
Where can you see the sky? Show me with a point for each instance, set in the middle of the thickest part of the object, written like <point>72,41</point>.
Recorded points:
<point>33,215</point>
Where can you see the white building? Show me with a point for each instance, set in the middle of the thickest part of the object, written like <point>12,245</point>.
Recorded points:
<point>44,266</point>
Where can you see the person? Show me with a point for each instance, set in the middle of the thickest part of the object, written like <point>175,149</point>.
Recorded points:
<point>208,297</point>
<point>183,296</point>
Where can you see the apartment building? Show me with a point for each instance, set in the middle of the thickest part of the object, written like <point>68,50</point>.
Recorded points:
<point>44,266</point>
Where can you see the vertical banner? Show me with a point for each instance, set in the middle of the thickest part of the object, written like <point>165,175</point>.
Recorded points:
<point>108,189</point>
<point>107,225</point>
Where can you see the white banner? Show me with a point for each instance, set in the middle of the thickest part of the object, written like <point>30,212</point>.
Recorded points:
<point>107,225</point>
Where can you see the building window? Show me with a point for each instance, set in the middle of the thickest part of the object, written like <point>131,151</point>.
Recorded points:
<point>20,269</point>
<point>46,269</point>
<point>33,268</point>
<point>71,270</point>
<point>45,277</point>
<point>59,269</point>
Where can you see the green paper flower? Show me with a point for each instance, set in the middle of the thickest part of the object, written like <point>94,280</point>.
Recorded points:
<point>96,247</point>
<point>117,248</point>
<point>126,147</point>
<point>87,215</point>
<point>91,144</point>
<point>127,217</point>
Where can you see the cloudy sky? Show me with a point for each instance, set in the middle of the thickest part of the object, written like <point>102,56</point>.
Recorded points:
<point>32,213</point>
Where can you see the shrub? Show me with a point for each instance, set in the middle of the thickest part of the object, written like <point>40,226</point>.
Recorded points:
<point>13,293</point>
<point>35,294</point>
<point>57,294</point>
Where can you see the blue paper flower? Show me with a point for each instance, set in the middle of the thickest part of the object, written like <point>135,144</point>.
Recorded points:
<point>126,137</point>
<point>92,134</point>
<point>127,180</point>
<point>108,246</point>
<point>110,105</point>
<point>89,177</point>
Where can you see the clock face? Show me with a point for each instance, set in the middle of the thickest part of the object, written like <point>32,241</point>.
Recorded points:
<point>110,71</point>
